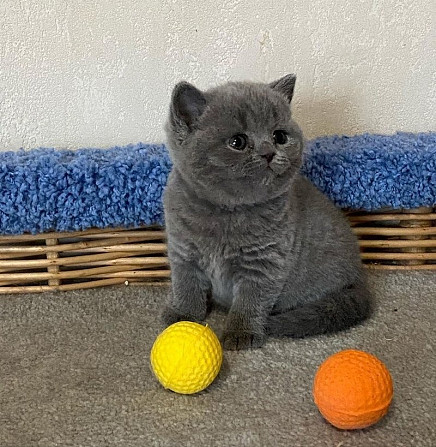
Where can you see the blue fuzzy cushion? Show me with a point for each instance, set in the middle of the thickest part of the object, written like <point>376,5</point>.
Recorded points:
<point>370,171</point>
<point>63,190</point>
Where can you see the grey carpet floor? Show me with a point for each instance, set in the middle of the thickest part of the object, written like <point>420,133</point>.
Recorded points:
<point>74,371</point>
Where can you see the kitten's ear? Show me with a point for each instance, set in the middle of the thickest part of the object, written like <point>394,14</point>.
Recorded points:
<point>285,85</point>
<point>187,103</point>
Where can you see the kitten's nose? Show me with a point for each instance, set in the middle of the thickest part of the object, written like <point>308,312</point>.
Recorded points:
<point>267,151</point>
<point>269,156</point>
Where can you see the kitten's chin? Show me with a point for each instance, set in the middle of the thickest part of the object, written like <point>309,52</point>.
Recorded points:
<point>279,170</point>
<point>276,182</point>
<point>269,176</point>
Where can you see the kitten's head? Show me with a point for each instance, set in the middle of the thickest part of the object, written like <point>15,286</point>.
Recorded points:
<point>235,144</point>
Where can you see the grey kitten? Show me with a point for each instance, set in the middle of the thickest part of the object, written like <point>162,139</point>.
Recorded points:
<point>246,228</point>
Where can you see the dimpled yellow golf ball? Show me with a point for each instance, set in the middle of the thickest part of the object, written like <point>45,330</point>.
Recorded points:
<point>186,357</point>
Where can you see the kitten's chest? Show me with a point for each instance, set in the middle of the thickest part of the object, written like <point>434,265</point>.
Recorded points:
<point>219,260</point>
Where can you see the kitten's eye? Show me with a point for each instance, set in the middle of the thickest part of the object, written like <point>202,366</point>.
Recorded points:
<point>238,142</point>
<point>280,137</point>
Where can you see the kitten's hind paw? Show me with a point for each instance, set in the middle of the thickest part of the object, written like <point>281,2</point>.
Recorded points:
<point>233,341</point>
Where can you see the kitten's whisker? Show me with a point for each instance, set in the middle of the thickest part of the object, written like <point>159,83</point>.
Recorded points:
<point>250,166</point>
<point>281,159</point>
<point>251,163</point>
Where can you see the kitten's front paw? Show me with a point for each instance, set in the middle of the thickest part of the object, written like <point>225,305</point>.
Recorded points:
<point>170,316</point>
<point>233,340</point>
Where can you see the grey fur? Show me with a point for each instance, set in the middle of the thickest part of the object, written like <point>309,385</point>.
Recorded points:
<point>245,228</point>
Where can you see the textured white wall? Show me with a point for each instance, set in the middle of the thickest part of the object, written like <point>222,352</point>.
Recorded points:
<point>79,73</point>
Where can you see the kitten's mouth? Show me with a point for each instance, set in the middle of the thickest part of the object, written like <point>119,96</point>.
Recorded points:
<point>274,173</point>
<point>277,170</point>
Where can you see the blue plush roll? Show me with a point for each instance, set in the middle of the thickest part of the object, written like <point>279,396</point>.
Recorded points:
<point>371,172</point>
<point>64,190</point>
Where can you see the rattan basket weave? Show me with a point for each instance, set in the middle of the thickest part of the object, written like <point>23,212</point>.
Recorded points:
<point>94,258</point>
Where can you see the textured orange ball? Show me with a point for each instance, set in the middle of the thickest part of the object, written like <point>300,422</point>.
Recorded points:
<point>352,389</point>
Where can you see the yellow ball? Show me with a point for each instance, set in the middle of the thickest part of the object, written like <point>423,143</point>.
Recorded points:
<point>186,357</point>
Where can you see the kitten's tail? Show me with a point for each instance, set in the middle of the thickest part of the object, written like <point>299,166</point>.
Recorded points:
<point>334,312</point>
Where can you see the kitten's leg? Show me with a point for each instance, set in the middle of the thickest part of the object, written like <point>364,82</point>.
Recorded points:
<point>245,325</point>
<point>188,297</point>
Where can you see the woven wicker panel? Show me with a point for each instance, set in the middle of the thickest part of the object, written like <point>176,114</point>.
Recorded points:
<point>84,259</point>
<point>94,258</point>
<point>397,239</point>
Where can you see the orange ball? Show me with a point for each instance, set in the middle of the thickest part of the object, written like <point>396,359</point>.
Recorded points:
<point>352,389</point>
